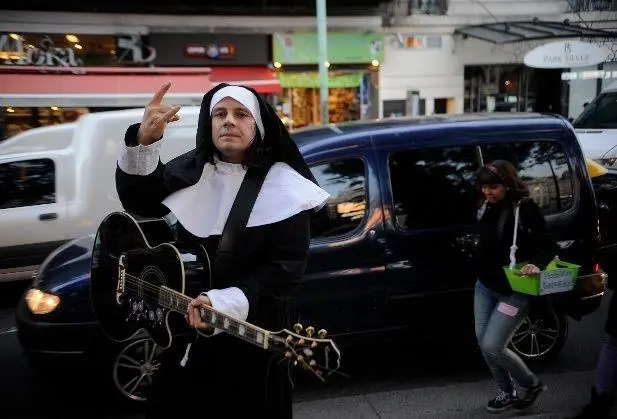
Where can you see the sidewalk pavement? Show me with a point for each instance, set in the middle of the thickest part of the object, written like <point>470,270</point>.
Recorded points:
<point>567,393</point>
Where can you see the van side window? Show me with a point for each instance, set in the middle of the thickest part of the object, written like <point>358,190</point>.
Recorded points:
<point>28,182</point>
<point>345,181</point>
<point>434,187</point>
<point>543,167</point>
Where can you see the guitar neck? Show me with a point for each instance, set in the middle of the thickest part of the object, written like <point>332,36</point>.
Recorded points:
<point>179,303</point>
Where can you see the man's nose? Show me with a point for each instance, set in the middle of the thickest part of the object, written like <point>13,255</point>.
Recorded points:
<point>230,119</point>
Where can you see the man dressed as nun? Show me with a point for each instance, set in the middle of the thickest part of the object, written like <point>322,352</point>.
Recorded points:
<point>238,136</point>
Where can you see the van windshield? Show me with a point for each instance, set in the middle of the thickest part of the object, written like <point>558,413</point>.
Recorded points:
<point>600,113</point>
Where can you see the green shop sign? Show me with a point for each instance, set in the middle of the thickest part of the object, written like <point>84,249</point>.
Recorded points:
<point>343,47</point>
<point>296,80</point>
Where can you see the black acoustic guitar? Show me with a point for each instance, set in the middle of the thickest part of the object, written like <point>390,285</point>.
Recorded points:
<point>138,282</point>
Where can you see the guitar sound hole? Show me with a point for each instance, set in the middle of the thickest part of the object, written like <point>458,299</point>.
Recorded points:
<point>151,279</point>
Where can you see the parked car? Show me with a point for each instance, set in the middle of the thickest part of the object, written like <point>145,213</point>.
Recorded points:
<point>47,175</point>
<point>390,254</point>
<point>596,127</point>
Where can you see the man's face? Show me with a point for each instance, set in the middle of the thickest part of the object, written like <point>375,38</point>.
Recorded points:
<point>233,129</point>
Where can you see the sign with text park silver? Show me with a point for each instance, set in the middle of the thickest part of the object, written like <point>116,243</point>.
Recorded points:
<point>565,54</point>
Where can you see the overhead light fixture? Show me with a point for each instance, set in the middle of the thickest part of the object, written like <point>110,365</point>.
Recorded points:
<point>14,36</point>
<point>77,46</point>
<point>277,64</point>
<point>72,38</point>
<point>375,63</point>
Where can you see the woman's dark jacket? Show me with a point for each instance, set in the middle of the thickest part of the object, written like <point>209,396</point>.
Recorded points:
<point>496,230</point>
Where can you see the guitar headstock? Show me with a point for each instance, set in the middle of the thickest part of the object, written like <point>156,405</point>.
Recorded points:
<point>312,351</point>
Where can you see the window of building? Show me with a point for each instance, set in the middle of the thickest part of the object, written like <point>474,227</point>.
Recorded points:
<point>543,167</point>
<point>345,181</point>
<point>434,187</point>
<point>26,183</point>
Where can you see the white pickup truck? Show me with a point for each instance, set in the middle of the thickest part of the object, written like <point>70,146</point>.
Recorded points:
<point>57,183</point>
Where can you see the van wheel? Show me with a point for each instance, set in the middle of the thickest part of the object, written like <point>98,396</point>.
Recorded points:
<point>132,369</point>
<point>541,335</point>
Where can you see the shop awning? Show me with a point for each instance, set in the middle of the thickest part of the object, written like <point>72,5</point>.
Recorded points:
<point>260,78</point>
<point>99,86</point>
<point>506,32</point>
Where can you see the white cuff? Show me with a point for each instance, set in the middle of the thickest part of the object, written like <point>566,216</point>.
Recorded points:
<point>229,301</point>
<point>139,160</point>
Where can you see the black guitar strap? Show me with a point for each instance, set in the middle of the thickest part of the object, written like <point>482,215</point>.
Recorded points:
<point>242,207</point>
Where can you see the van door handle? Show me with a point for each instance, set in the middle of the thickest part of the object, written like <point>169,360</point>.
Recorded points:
<point>48,216</point>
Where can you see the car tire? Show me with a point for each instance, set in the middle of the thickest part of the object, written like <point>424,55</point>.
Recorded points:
<point>541,335</point>
<point>127,369</point>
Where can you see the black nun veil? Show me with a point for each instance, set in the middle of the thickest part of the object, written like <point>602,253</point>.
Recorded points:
<point>276,146</point>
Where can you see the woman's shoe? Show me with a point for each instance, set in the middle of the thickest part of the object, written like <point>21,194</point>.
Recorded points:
<point>502,402</point>
<point>528,396</point>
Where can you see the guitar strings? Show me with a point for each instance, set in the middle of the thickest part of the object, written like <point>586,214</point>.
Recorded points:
<point>152,295</point>
<point>249,335</point>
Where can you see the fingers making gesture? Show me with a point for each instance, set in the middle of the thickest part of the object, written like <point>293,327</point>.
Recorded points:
<point>156,117</point>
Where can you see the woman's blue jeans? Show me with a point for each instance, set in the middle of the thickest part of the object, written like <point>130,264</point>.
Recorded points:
<point>496,318</point>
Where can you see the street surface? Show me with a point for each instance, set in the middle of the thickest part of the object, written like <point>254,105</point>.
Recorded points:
<point>445,379</point>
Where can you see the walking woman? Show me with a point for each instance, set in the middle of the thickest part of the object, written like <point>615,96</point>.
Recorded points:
<point>498,310</point>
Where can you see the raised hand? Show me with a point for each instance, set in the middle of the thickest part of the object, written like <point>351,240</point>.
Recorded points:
<point>156,117</point>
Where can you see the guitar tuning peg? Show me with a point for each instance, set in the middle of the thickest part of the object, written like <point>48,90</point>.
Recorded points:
<point>287,354</point>
<point>309,331</point>
<point>312,363</point>
<point>298,327</point>
<point>322,333</point>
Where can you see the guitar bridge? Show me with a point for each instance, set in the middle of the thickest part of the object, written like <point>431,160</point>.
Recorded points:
<point>121,278</point>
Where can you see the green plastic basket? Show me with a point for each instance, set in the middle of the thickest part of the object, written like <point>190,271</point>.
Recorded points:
<point>558,276</point>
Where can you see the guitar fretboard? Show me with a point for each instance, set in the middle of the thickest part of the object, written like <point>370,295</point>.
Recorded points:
<point>179,303</point>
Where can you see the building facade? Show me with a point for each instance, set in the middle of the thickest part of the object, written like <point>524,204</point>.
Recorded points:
<point>471,58</point>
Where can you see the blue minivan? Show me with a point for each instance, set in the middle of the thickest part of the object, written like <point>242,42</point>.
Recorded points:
<point>392,251</point>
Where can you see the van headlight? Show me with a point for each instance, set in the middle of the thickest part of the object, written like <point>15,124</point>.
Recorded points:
<point>41,302</point>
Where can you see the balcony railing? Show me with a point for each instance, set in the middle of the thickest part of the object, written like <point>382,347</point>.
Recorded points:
<point>402,8</point>
<point>582,6</point>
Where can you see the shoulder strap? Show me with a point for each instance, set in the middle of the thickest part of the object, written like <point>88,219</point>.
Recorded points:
<point>242,207</point>
<point>514,247</point>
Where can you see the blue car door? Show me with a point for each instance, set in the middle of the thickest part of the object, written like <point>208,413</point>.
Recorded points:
<point>342,290</point>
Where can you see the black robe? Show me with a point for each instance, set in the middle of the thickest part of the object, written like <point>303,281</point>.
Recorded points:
<point>223,373</point>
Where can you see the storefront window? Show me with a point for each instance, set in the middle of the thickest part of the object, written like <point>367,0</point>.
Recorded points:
<point>14,120</point>
<point>54,50</point>
<point>514,88</point>
<point>350,96</point>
